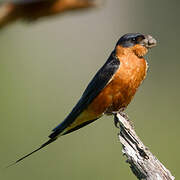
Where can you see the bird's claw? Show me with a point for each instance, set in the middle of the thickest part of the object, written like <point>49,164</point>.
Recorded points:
<point>116,123</point>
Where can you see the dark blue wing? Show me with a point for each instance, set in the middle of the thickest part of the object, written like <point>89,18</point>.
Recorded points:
<point>100,80</point>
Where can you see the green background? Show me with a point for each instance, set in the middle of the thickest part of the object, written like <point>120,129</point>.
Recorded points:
<point>46,65</point>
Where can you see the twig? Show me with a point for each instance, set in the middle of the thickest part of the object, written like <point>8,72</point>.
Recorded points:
<point>142,162</point>
<point>33,10</point>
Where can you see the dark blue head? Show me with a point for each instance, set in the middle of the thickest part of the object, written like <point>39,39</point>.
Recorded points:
<point>136,42</point>
<point>130,39</point>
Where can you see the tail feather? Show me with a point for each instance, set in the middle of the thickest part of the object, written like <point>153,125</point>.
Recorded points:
<point>42,146</point>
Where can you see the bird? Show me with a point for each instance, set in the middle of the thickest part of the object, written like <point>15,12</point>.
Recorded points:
<point>111,89</point>
<point>31,10</point>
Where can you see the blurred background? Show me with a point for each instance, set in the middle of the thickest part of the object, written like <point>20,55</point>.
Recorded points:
<point>46,65</point>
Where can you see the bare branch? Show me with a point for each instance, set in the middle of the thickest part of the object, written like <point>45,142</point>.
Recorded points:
<point>33,10</point>
<point>142,162</point>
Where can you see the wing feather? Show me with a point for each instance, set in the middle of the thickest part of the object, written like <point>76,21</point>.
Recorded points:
<point>99,82</point>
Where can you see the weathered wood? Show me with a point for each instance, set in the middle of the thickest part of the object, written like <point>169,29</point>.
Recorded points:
<point>142,162</point>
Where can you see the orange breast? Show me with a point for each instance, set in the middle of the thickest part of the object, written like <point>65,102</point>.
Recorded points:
<point>120,91</point>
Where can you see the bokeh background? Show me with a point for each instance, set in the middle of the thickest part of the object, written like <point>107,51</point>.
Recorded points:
<point>44,68</point>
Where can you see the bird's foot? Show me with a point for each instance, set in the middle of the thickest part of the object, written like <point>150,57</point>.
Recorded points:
<point>116,122</point>
<point>125,116</point>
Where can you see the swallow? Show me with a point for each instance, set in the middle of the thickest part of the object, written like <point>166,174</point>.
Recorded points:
<point>111,89</point>
<point>31,10</point>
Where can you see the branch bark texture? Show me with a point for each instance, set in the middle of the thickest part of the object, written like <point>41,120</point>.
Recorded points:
<point>142,162</point>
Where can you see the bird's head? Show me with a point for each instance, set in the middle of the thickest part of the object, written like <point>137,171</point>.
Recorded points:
<point>136,43</point>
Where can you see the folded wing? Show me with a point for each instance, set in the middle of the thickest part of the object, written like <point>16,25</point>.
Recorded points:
<point>98,83</point>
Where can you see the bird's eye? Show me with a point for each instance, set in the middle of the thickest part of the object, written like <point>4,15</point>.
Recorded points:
<point>133,39</point>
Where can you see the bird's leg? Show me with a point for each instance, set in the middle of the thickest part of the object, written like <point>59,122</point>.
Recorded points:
<point>116,122</point>
<point>124,115</point>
